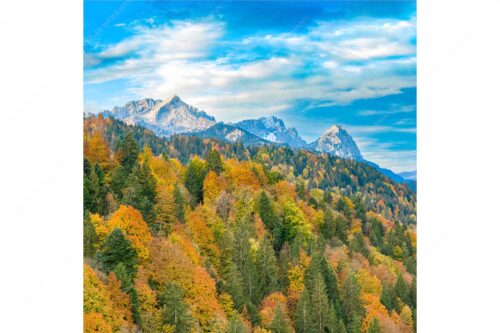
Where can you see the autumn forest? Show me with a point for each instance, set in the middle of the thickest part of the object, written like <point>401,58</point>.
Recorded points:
<point>186,234</point>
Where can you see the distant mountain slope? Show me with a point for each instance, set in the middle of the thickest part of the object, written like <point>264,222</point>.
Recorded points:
<point>165,117</point>
<point>272,129</point>
<point>409,175</point>
<point>336,141</point>
<point>174,116</point>
<point>230,133</point>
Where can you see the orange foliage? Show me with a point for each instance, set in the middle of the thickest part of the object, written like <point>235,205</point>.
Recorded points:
<point>212,187</point>
<point>96,149</point>
<point>178,237</point>
<point>94,322</point>
<point>241,175</point>
<point>313,216</point>
<point>168,263</point>
<point>284,191</point>
<point>337,255</point>
<point>269,306</point>
<point>260,228</point>
<point>202,234</point>
<point>130,221</point>
<point>120,300</point>
<point>103,303</point>
<point>356,226</point>
<point>100,226</point>
<point>373,309</point>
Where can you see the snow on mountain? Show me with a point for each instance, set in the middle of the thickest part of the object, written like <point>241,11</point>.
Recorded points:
<point>272,129</point>
<point>165,117</point>
<point>230,133</point>
<point>172,116</point>
<point>338,142</point>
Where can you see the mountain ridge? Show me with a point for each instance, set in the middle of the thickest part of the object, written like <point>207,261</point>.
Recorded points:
<point>174,116</point>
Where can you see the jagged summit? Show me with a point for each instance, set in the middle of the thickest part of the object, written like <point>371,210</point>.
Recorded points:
<point>336,141</point>
<point>164,117</point>
<point>173,99</point>
<point>272,129</point>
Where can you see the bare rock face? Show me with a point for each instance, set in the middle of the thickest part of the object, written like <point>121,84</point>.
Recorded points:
<point>274,130</point>
<point>338,142</point>
<point>166,117</point>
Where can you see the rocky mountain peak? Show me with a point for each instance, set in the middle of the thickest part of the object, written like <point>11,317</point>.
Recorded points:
<point>337,141</point>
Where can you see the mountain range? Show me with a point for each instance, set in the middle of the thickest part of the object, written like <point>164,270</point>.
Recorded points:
<point>166,117</point>
<point>174,116</point>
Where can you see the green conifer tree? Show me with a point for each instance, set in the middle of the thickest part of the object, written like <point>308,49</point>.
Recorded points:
<point>267,268</point>
<point>195,175</point>
<point>179,204</point>
<point>129,152</point>
<point>175,311</point>
<point>141,192</point>
<point>214,161</point>
<point>116,249</point>
<point>374,326</point>
<point>279,323</point>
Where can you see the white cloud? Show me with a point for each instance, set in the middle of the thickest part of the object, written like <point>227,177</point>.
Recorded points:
<point>385,154</point>
<point>170,59</point>
<point>355,129</point>
<point>392,109</point>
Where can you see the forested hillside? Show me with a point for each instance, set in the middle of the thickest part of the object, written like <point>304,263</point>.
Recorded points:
<point>196,235</point>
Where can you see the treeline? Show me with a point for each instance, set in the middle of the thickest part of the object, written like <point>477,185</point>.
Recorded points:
<point>321,171</point>
<point>192,235</point>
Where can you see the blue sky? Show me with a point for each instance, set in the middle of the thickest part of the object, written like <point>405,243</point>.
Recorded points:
<point>313,64</point>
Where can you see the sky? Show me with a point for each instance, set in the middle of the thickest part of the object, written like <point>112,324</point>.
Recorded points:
<point>313,64</point>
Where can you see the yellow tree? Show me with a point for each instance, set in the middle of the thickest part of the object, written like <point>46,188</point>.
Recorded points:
<point>98,304</point>
<point>96,149</point>
<point>168,263</point>
<point>212,187</point>
<point>94,322</point>
<point>130,221</point>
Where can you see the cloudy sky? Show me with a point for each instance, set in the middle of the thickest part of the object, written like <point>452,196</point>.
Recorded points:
<point>313,64</point>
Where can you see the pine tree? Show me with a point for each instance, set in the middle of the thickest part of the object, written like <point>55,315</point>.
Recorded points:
<point>235,325</point>
<point>195,175</point>
<point>355,324</point>
<point>327,197</point>
<point>127,285</point>
<point>313,309</point>
<point>116,249</point>
<point>243,259</point>
<point>179,204</point>
<point>303,322</point>
<point>358,244</point>
<point>128,152</point>
<point>141,192</point>
<point>335,324</point>
<point>351,301</point>
<point>214,161</point>
<point>94,190</point>
<point>401,289</point>
<point>301,190</point>
<point>89,237</point>
<point>174,311</point>
<point>374,326</point>
<point>388,297</point>
<point>119,179</point>
<point>267,268</point>
<point>279,323</point>
<point>332,289</point>
<point>271,220</point>
<point>328,227</point>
